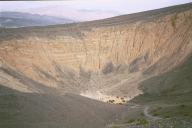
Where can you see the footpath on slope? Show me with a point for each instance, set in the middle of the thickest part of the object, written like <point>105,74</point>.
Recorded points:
<point>146,113</point>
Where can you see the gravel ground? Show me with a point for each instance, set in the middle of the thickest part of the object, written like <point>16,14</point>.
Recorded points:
<point>184,122</point>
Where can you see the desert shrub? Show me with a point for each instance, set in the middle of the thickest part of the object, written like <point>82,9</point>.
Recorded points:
<point>167,116</point>
<point>123,100</point>
<point>142,113</point>
<point>185,114</point>
<point>114,127</point>
<point>117,97</point>
<point>120,103</point>
<point>155,114</point>
<point>111,101</point>
<point>142,122</point>
<point>131,120</point>
<point>183,105</point>
<point>159,107</point>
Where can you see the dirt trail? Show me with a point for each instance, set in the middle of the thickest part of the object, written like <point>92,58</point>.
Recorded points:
<point>145,111</point>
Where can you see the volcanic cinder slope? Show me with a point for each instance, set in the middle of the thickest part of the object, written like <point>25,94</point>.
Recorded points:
<point>102,59</point>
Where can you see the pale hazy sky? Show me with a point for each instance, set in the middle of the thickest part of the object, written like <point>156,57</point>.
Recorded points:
<point>123,6</point>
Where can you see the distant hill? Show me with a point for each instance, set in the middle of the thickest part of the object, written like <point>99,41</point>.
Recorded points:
<point>19,19</point>
<point>70,13</point>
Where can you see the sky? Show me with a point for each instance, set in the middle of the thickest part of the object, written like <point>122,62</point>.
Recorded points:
<point>122,6</point>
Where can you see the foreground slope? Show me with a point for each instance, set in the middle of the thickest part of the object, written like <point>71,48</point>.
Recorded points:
<point>48,110</point>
